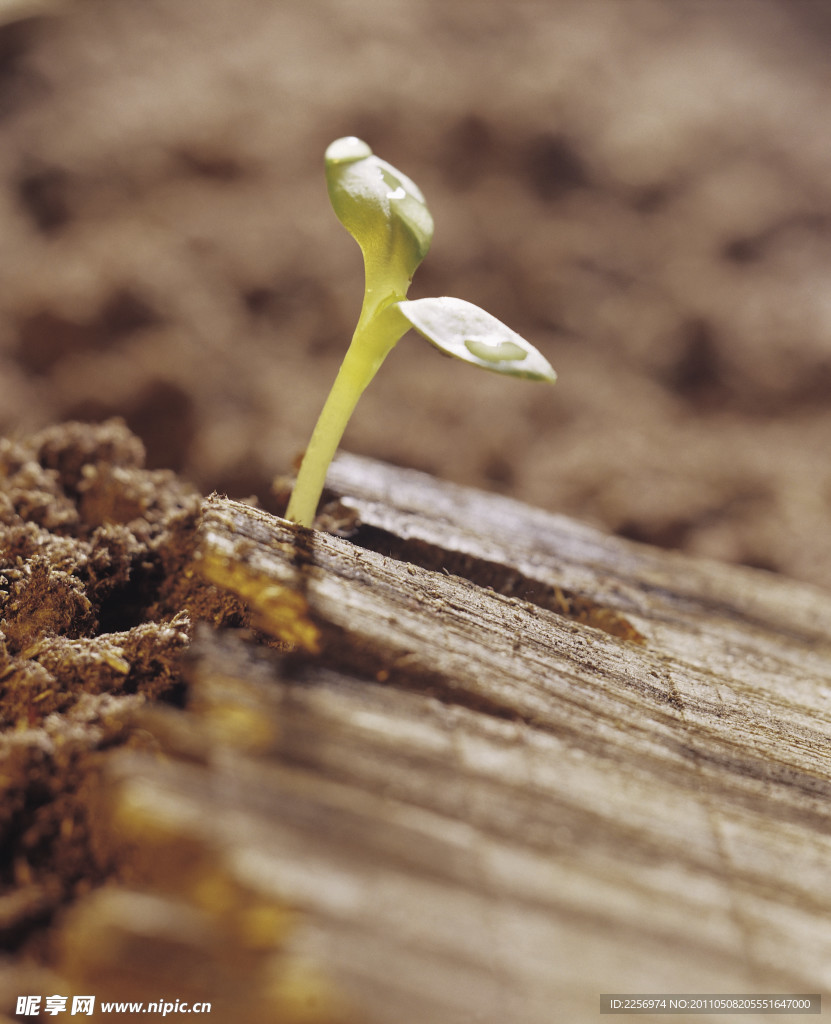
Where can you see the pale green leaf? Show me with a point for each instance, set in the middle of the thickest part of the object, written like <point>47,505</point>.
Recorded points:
<point>383,210</point>
<point>464,331</point>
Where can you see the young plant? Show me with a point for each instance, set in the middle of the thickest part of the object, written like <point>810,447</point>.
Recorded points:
<point>386,214</point>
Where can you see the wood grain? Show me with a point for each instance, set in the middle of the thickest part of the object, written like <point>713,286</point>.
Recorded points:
<point>484,807</point>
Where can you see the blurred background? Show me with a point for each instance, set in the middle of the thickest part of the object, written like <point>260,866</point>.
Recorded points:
<point>641,187</point>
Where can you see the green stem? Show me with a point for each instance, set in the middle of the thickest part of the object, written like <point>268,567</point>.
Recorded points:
<point>373,340</point>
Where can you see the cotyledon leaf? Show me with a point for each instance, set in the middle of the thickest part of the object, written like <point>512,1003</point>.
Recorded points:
<point>383,210</point>
<point>464,331</point>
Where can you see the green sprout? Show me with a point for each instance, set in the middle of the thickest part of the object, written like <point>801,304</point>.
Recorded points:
<point>387,215</point>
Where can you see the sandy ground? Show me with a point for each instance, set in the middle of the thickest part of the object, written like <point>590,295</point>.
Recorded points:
<point>640,187</point>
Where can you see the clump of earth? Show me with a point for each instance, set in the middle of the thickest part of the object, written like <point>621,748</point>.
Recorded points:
<point>97,606</point>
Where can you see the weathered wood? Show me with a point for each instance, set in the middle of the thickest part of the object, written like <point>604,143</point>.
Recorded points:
<point>487,810</point>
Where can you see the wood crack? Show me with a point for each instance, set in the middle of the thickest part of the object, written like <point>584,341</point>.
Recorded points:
<point>498,577</point>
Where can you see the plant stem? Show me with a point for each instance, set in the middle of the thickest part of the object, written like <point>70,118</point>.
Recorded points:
<point>374,338</point>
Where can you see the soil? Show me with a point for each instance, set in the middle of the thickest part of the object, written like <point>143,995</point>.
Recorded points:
<point>96,608</point>
<point>638,186</point>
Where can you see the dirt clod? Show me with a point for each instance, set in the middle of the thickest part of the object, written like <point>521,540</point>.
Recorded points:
<point>96,607</point>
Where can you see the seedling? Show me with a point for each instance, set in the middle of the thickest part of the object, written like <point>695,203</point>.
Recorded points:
<point>386,214</point>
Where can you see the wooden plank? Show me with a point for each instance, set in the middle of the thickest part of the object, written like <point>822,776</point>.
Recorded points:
<point>486,809</point>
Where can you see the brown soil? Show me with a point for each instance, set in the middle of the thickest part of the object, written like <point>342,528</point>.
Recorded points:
<point>97,604</point>
<point>640,187</point>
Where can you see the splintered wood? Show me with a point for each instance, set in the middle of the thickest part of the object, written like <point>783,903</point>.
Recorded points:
<point>461,797</point>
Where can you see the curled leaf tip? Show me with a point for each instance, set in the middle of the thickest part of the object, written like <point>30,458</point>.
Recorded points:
<point>346,150</point>
<point>383,210</point>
